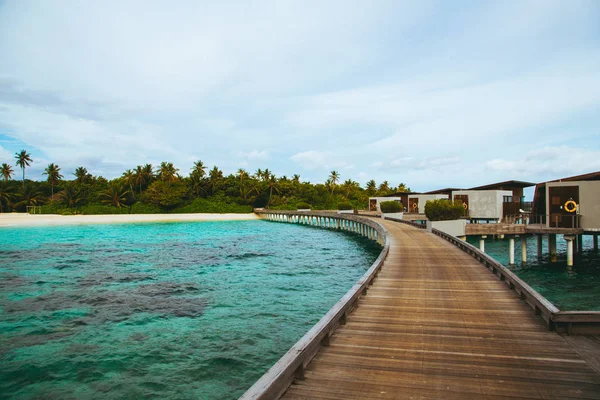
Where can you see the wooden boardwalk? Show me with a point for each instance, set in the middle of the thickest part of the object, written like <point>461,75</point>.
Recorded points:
<point>438,325</point>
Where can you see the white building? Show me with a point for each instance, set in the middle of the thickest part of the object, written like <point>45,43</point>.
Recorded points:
<point>416,202</point>
<point>483,204</point>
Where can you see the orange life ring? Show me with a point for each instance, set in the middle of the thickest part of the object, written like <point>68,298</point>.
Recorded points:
<point>570,206</point>
<point>415,205</point>
<point>465,206</point>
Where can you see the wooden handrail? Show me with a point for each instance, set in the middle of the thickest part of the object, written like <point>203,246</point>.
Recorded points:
<point>411,223</point>
<point>291,366</point>
<point>571,322</point>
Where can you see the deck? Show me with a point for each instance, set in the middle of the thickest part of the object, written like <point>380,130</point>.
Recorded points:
<point>436,324</point>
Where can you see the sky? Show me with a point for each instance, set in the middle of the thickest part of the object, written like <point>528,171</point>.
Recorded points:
<point>428,93</point>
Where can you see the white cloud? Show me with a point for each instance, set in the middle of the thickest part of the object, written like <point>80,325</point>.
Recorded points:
<point>550,162</point>
<point>312,159</point>
<point>286,85</point>
<point>322,160</point>
<point>6,156</point>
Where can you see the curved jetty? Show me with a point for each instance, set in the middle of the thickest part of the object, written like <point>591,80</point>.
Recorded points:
<point>436,324</point>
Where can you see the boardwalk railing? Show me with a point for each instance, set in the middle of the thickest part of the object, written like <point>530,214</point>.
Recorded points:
<point>411,223</point>
<point>571,322</point>
<point>291,366</point>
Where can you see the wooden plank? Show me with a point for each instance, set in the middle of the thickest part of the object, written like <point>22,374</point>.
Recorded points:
<point>436,324</point>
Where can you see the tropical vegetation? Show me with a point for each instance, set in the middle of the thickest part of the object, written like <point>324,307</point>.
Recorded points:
<point>164,188</point>
<point>444,210</point>
<point>391,206</point>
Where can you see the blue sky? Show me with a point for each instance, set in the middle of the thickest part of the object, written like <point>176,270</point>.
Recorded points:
<point>429,93</point>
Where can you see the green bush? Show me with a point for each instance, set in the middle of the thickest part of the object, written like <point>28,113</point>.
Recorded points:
<point>443,210</point>
<point>390,206</point>
<point>144,208</point>
<point>345,206</point>
<point>165,195</point>
<point>213,207</point>
<point>284,207</point>
<point>303,206</point>
<point>55,208</point>
<point>98,209</point>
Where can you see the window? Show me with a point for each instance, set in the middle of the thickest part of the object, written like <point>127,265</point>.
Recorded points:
<point>508,199</point>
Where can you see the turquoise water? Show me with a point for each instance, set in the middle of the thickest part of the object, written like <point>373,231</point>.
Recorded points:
<point>164,310</point>
<point>569,288</point>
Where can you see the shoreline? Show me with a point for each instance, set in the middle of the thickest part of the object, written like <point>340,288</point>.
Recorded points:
<point>22,219</point>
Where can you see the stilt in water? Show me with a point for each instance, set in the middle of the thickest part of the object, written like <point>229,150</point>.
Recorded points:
<point>570,239</point>
<point>552,246</point>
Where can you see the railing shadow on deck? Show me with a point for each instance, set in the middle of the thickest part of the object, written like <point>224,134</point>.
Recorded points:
<point>291,366</point>
<point>569,322</point>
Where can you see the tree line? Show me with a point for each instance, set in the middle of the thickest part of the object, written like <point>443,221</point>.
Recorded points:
<point>155,189</point>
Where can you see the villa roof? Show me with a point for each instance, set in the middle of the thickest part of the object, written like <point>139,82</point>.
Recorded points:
<point>521,184</point>
<point>399,193</point>
<point>592,176</point>
<point>445,190</point>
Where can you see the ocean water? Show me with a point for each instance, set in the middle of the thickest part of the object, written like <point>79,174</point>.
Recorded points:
<point>573,288</point>
<point>163,310</point>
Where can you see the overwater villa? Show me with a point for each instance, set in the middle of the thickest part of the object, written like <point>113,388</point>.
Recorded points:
<point>572,202</point>
<point>494,202</point>
<point>488,203</point>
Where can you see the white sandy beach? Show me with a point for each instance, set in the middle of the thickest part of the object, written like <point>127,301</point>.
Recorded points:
<point>22,219</point>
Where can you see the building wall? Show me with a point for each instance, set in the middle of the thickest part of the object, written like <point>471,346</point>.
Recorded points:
<point>484,204</point>
<point>589,201</point>
<point>423,198</point>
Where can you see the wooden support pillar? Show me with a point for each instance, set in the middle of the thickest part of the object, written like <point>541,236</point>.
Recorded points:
<point>552,246</point>
<point>570,239</point>
<point>540,239</point>
<point>579,243</point>
<point>482,243</point>
<point>511,250</point>
<point>595,242</point>
<point>524,248</point>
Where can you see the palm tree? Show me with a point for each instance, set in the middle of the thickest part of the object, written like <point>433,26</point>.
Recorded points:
<point>115,194</point>
<point>197,184</point>
<point>70,196</point>
<point>6,195</point>
<point>198,169</point>
<point>29,197</point>
<point>148,173</point>
<point>140,177</point>
<point>215,175</point>
<point>272,186</point>
<point>167,172</point>
<point>349,186</point>
<point>129,179</point>
<point>81,175</point>
<point>371,187</point>
<point>259,174</point>
<point>242,174</point>
<point>266,174</point>
<point>6,171</point>
<point>296,178</point>
<point>334,177</point>
<point>23,160</point>
<point>54,175</point>
<point>403,188</point>
<point>384,187</point>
